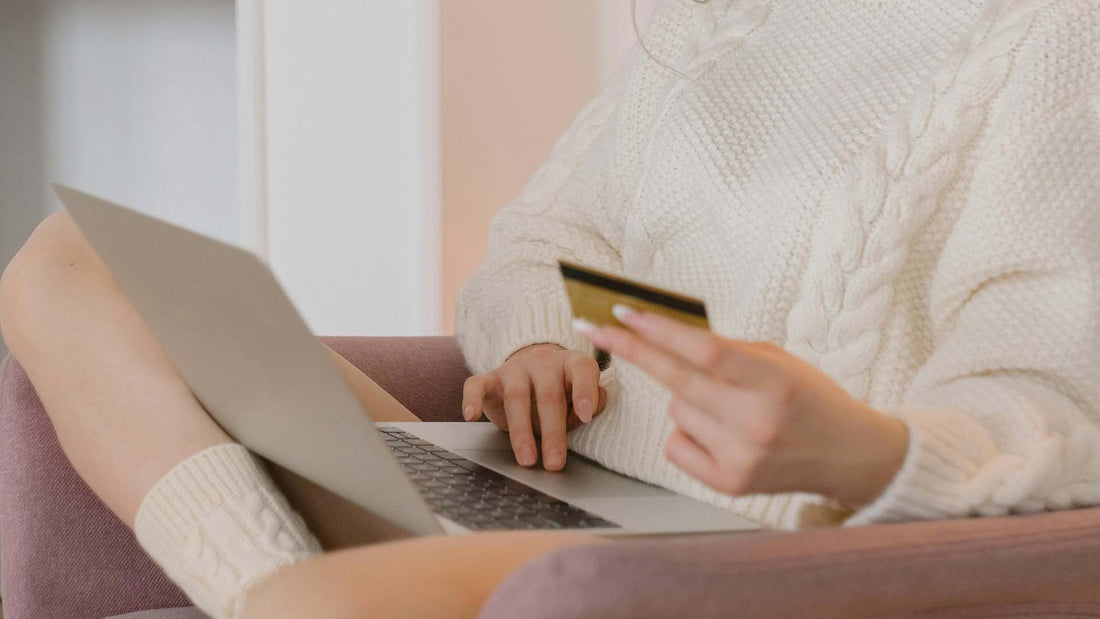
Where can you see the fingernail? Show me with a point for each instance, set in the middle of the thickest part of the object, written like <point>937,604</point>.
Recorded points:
<point>527,455</point>
<point>590,331</point>
<point>468,413</point>
<point>553,458</point>
<point>584,410</point>
<point>583,326</point>
<point>623,313</point>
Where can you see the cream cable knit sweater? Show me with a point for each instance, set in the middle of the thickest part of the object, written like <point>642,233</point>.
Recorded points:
<point>904,193</point>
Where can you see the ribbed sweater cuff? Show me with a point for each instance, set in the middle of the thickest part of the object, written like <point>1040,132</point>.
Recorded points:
<point>525,324</point>
<point>946,450</point>
<point>218,526</point>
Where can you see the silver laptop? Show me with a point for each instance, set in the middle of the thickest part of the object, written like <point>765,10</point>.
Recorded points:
<point>256,368</point>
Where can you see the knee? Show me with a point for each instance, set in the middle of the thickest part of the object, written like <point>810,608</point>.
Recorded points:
<point>46,264</point>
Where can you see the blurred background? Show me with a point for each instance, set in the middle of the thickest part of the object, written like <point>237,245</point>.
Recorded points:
<point>360,147</point>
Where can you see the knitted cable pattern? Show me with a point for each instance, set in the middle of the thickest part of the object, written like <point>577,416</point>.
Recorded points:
<point>217,526</point>
<point>851,133</point>
<point>719,26</point>
<point>891,192</point>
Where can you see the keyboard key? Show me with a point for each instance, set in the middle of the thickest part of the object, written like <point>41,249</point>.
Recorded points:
<point>480,498</point>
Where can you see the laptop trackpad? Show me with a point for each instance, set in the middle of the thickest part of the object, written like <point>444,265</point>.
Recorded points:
<point>580,478</point>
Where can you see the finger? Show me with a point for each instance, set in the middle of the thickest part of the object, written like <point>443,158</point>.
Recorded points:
<point>484,388</point>
<point>700,427</point>
<point>552,410</point>
<point>473,395</point>
<point>686,455</point>
<point>575,422</point>
<point>734,360</point>
<point>682,378</point>
<point>493,405</point>
<point>582,375</point>
<point>515,386</point>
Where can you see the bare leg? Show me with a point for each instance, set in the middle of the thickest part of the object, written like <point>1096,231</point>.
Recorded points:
<point>123,414</point>
<point>435,577</point>
<point>125,417</point>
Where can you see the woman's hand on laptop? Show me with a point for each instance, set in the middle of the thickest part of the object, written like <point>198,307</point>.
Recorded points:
<point>542,390</point>
<point>751,417</point>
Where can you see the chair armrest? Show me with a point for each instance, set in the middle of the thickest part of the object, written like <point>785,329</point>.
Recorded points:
<point>423,373</point>
<point>1044,565</point>
<point>187,612</point>
<point>64,554</point>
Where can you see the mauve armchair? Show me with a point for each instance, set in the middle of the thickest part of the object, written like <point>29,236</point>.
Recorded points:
<point>65,555</point>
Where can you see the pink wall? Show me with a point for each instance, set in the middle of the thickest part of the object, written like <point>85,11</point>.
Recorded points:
<point>514,74</point>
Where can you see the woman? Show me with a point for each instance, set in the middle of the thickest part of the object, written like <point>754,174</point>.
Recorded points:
<point>889,208</point>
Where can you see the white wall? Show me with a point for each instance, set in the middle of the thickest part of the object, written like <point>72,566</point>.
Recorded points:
<point>136,101</point>
<point>352,211</point>
<point>141,106</point>
<point>132,100</point>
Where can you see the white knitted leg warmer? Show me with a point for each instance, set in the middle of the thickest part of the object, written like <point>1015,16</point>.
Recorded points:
<point>217,525</point>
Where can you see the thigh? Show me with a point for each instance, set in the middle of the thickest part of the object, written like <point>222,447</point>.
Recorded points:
<point>336,521</point>
<point>426,577</point>
<point>122,413</point>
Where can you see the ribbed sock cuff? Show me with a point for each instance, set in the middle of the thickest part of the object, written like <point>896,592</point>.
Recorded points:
<point>217,525</point>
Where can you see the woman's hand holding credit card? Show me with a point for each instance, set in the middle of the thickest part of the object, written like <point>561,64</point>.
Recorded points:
<point>749,417</point>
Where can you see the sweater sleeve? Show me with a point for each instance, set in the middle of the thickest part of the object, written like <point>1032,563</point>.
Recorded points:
<point>516,298</point>
<point>573,208</point>
<point>1004,416</point>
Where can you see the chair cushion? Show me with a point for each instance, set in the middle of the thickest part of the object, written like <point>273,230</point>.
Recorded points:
<point>64,553</point>
<point>184,612</point>
<point>1041,565</point>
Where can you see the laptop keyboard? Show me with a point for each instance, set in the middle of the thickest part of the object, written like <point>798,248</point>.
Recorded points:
<point>479,498</point>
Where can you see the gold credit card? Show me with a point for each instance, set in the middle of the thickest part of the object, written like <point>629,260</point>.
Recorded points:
<point>593,293</point>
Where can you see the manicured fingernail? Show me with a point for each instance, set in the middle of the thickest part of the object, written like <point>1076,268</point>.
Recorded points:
<point>590,331</point>
<point>468,413</point>
<point>623,313</point>
<point>581,325</point>
<point>584,410</point>
<point>527,455</point>
<point>553,458</point>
